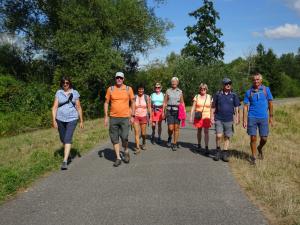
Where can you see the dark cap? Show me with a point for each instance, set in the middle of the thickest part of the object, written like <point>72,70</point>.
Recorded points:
<point>226,81</point>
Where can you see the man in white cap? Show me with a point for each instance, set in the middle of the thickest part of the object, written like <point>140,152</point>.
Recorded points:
<point>120,96</point>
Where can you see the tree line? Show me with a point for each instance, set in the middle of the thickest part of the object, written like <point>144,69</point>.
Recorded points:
<point>91,40</point>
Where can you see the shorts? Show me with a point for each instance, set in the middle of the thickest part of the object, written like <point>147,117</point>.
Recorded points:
<point>225,128</point>
<point>157,115</point>
<point>141,119</point>
<point>202,123</point>
<point>261,124</point>
<point>172,117</point>
<point>119,127</point>
<point>66,130</point>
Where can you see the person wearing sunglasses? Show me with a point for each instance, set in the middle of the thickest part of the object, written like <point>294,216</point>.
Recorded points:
<point>225,110</point>
<point>258,114</point>
<point>121,115</point>
<point>66,111</point>
<point>200,115</point>
<point>157,101</point>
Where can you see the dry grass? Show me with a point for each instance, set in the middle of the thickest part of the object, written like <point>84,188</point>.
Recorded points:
<point>273,183</point>
<point>25,157</point>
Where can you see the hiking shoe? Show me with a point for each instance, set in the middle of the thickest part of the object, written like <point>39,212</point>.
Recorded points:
<point>260,153</point>
<point>206,151</point>
<point>173,147</point>
<point>252,161</point>
<point>225,156</point>
<point>217,155</point>
<point>137,150</point>
<point>143,147</point>
<point>169,144</point>
<point>64,166</point>
<point>159,141</point>
<point>152,139</point>
<point>117,162</point>
<point>126,157</point>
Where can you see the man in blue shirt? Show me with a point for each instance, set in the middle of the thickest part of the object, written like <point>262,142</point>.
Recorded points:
<point>257,102</point>
<point>225,108</point>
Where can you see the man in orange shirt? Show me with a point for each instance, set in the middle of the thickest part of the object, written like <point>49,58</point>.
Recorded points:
<point>120,97</point>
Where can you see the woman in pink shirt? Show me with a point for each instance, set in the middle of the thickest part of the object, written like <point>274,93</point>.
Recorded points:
<point>142,108</point>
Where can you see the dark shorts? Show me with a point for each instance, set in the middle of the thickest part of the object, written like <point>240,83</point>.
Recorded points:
<point>172,117</point>
<point>119,127</point>
<point>261,124</point>
<point>225,128</point>
<point>66,131</point>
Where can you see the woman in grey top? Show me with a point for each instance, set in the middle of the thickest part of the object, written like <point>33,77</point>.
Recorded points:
<point>66,111</point>
<point>172,100</point>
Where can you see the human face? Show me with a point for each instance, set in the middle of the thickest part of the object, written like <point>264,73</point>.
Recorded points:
<point>140,91</point>
<point>227,87</point>
<point>257,81</point>
<point>157,89</point>
<point>66,85</point>
<point>202,91</point>
<point>174,83</point>
<point>119,80</point>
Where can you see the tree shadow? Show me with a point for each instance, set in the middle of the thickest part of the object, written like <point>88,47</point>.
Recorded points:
<point>73,154</point>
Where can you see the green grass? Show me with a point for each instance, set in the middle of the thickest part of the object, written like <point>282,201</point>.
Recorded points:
<point>274,183</point>
<point>25,157</point>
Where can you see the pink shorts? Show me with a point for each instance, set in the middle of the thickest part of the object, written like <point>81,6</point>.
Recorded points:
<point>157,115</point>
<point>140,119</point>
<point>202,123</point>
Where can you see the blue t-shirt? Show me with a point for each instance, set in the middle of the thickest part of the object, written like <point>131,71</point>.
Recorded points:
<point>157,99</point>
<point>258,102</point>
<point>67,112</point>
<point>225,104</point>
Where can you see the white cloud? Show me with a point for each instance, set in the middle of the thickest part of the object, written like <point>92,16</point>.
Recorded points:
<point>285,31</point>
<point>294,4</point>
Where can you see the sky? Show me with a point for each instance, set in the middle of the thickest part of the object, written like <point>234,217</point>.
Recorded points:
<point>244,23</point>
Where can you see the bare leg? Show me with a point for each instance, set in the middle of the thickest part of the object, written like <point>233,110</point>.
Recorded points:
<point>67,150</point>
<point>218,140</point>
<point>206,137</point>
<point>159,128</point>
<point>253,146</point>
<point>143,130</point>
<point>263,141</point>
<point>117,150</point>
<point>199,135</point>
<point>176,133</point>
<point>170,129</point>
<point>226,143</point>
<point>137,134</point>
<point>153,128</point>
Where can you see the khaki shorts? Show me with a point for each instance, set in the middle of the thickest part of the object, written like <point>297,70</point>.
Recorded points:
<point>225,128</point>
<point>119,128</point>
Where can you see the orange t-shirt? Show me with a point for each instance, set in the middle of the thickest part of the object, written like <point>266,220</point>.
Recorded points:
<point>119,101</point>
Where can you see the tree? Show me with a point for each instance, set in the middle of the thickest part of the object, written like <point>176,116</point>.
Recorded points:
<point>204,37</point>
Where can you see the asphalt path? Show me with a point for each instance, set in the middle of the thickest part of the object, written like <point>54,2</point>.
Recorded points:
<point>159,186</point>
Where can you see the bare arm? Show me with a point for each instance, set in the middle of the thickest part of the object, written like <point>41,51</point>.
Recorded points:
<point>106,112</point>
<point>245,115</point>
<point>79,109</point>
<point>54,111</point>
<point>270,112</point>
<point>149,106</point>
<point>237,114</point>
<point>165,104</point>
<point>192,111</point>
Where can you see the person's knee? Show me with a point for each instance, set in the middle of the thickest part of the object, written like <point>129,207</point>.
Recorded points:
<point>206,131</point>
<point>253,138</point>
<point>219,135</point>
<point>263,139</point>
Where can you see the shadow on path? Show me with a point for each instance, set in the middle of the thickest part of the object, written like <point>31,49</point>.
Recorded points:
<point>73,154</point>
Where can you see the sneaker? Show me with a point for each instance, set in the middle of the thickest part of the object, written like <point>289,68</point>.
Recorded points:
<point>252,161</point>
<point>174,147</point>
<point>126,157</point>
<point>64,166</point>
<point>206,151</point>
<point>217,155</point>
<point>169,144</point>
<point>117,162</point>
<point>159,141</point>
<point>143,147</point>
<point>260,153</point>
<point>225,156</point>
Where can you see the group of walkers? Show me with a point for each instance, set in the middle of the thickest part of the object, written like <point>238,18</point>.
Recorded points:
<point>123,110</point>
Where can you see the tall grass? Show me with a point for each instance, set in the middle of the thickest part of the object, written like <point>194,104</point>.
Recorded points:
<point>274,183</point>
<point>25,157</point>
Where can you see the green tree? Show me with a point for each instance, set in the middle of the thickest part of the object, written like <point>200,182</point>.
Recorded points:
<point>204,37</point>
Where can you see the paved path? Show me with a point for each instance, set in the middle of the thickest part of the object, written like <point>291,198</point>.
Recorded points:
<point>158,187</point>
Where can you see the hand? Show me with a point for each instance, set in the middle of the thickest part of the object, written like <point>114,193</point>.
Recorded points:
<point>212,121</point>
<point>105,121</point>
<point>132,120</point>
<point>81,125</point>
<point>271,121</point>
<point>54,124</point>
<point>163,115</point>
<point>191,119</point>
<point>237,120</point>
<point>245,124</point>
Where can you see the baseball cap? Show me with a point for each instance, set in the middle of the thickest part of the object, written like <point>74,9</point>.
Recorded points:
<point>226,81</point>
<point>119,74</point>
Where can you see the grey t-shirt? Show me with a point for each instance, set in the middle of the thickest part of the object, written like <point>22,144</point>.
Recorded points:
<point>174,98</point>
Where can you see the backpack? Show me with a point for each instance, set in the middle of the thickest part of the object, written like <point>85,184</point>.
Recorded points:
<point>146,99</point>
<point>264,91</point>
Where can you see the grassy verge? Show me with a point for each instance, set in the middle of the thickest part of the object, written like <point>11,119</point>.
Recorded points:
<point>274,184</point>
<point>25,157</point>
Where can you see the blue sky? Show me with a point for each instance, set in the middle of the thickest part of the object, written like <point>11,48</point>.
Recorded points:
<point>274,23</point>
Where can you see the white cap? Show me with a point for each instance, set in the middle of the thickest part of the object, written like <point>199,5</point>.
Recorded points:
<point>119,74</point>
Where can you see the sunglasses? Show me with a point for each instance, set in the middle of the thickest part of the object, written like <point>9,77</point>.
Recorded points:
<point>157,87</point>
<point>119,78</point>
<point>67,82</point>
<point>202,89</point>
<point>227,84</point>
